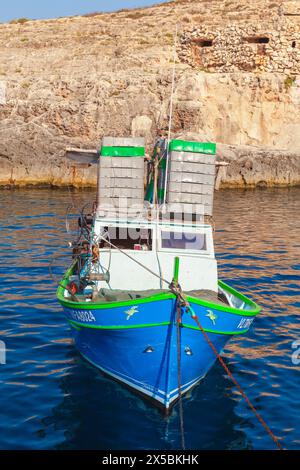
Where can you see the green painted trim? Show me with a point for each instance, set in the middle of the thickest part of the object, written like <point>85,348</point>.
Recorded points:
<point>73,325</point>
<point>234,311</point>
<point>215,332</point>
<point>107,305</point>
<point>82,305</point>
<point>255,309</point>
<point>79,326</point>
<point>116,327</point>
<point>176,269</point>
<point>207,148</point>
<point>122,152</point>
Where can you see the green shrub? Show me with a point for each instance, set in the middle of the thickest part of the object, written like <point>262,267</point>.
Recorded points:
<point>135,15</point>
<point>289,82</point>
<point>91,15</point>
<point>19,21</point>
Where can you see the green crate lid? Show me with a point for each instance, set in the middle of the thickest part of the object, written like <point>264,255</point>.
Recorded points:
<point>122,152</point>
<point>208,148</point>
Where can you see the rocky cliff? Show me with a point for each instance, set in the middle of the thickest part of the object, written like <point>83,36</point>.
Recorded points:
<point>70,81</point>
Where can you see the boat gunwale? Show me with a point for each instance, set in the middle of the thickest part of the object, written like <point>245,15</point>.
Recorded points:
<point>255,308</point>
<point>78,326</point>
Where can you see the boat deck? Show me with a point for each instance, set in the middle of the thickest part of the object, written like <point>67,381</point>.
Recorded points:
<point>108,295</point>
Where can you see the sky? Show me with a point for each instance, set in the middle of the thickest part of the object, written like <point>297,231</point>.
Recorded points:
<point>39,9</point>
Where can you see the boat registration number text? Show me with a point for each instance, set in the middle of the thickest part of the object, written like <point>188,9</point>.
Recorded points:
<point>245,323</point>
<point>82,315</point>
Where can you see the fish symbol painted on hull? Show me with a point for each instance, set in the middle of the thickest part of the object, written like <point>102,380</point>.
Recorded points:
<point>212,316</point>
<point>131,312</point>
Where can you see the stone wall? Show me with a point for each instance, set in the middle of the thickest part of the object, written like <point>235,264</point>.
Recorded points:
<point>263,47</point>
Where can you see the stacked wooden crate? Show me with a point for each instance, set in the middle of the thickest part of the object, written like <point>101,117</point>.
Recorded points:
<point>121,172</point>
<point>191,177</point>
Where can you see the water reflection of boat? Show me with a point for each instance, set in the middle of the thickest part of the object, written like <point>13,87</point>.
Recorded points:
<point>80,423</point>
<point>144,278</point>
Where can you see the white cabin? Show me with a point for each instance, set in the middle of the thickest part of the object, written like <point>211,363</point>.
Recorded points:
<point>155,245</point>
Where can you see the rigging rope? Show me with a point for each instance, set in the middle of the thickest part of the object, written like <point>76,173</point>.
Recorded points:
<point>178,326</point>
<point>176,289</point>
<point>183,302</point>
<point>171,112</point>
<point>238,386</point>
<point>135,260</point>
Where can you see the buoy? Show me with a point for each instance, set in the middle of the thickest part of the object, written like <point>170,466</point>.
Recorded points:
<point>72,287</point>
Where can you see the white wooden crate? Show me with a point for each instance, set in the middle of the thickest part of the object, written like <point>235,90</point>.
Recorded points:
<point>186,167</point>
<point>183,177</point>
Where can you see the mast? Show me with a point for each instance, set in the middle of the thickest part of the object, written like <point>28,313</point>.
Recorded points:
<point>171,113</point>
<point>98,199</point>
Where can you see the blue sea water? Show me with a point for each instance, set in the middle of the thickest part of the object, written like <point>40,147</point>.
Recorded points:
<point>52,399</point>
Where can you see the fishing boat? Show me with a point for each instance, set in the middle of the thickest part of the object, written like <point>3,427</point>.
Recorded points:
<point>142,295</point>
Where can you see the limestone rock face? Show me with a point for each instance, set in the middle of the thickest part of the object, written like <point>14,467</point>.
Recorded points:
<point>241,109</point>
<point>141,126</point>
<point>69,82</point>
<point>251,167</point>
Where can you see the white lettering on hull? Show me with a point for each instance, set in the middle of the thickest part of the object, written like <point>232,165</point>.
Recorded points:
<point>245,323</point>
<point>85,316</point>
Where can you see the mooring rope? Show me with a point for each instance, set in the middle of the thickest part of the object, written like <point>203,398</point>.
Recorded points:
<point>183,302</point>
<point>135,260</point>
<point>238,386</point>
<point>181,420</point>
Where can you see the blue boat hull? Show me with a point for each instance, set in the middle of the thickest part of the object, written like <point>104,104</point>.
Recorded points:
<point>123,356</point>
<point>141,349</point>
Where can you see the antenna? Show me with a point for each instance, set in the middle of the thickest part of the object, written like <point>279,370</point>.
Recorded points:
<point>171,112</point>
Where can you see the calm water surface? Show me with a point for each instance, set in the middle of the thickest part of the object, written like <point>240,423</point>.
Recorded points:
<point>52,399</point>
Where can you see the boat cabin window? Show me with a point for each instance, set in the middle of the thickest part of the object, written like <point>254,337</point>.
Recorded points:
<point>183,241</point>
<point>128,238</point>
